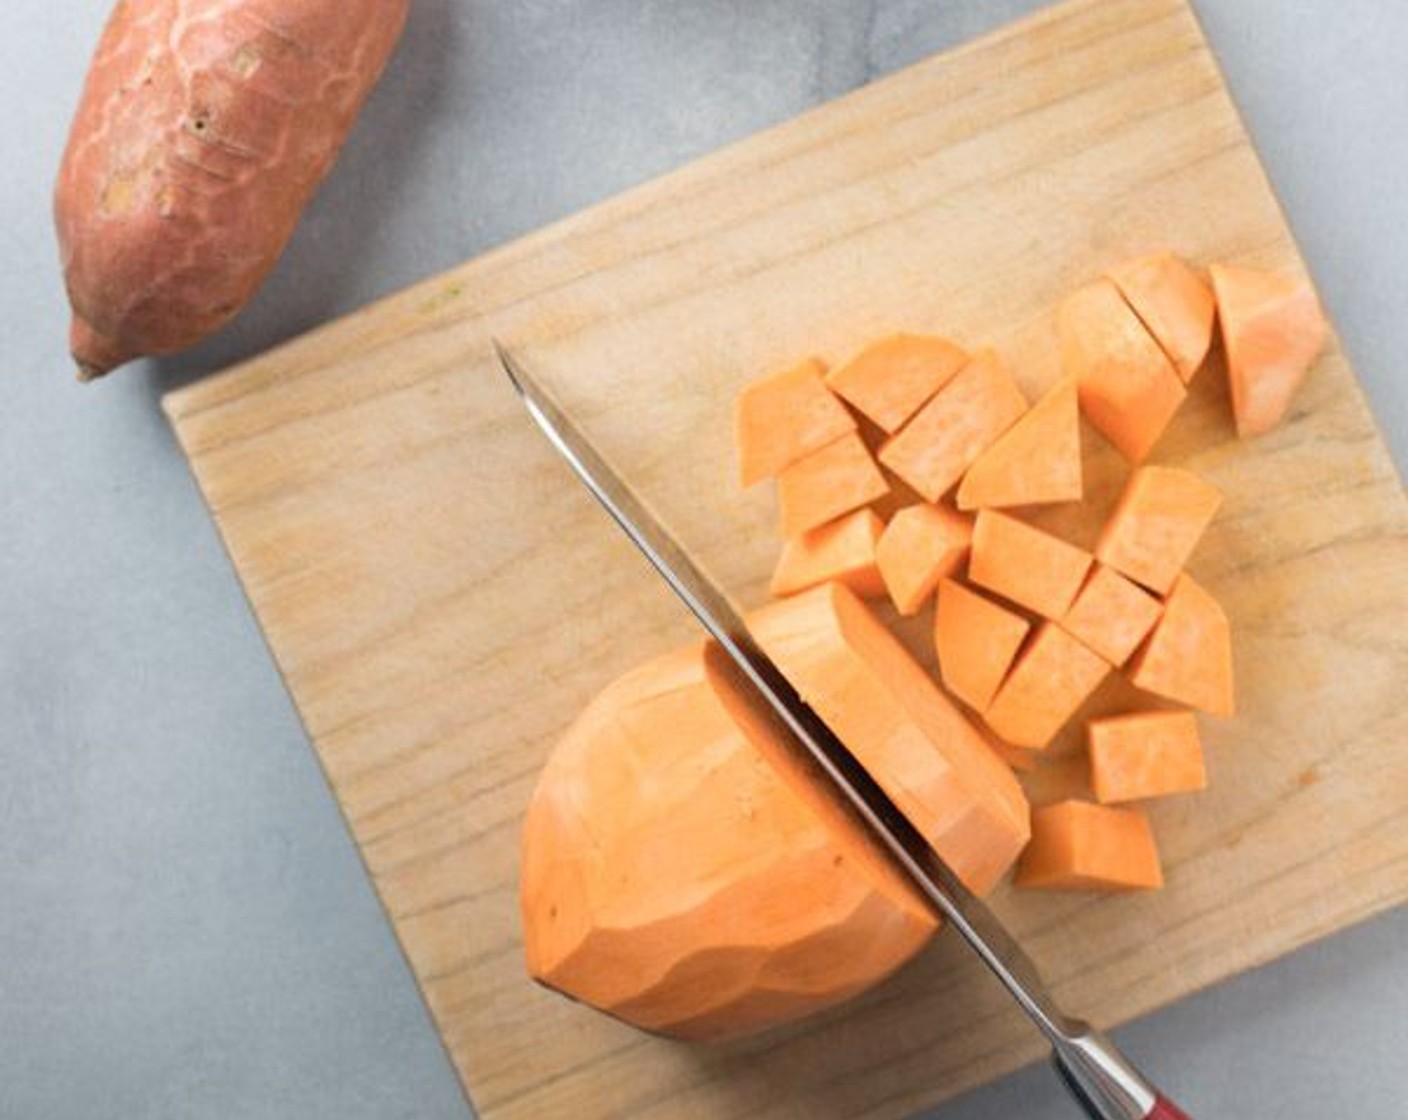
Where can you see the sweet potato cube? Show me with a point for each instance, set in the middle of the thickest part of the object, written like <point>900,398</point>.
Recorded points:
<point>943,439</point>
<point>1161,516</point>
<point>1273,329</point>
<point>782,417</point>
<point>1034,569</point>
<point>1188,657</point>
<point>1146,754</point>
<point>842,550</point>
<point>976,641</point>
<point>820,487</point>
<point>921,545</point>
<point>1127,387</point>
<point>1111,615</point>
<point>889,380</point>
<point>1077,846</point>
<point>1174,303</point>
<point>1036,460</point>
<point>1053,677</point>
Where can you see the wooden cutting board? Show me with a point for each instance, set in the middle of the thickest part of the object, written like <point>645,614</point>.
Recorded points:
<point>442,597</point>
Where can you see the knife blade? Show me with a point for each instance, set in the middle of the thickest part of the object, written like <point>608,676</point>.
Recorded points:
<point>1105,1083</point>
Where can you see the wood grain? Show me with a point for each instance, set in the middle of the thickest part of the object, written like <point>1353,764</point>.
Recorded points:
<point>441,597</point>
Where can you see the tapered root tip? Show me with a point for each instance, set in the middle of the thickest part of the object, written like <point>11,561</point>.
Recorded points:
<point>95,354</point>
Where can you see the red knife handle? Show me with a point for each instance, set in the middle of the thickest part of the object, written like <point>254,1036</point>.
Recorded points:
<point>1103,1081</point>
<point>1165,1109</point>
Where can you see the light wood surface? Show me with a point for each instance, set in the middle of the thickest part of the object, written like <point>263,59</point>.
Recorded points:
<point>442,597</point>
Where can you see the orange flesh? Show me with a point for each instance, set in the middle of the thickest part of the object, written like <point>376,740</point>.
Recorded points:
<point>921,545</point>
<point>1079,846</point>
<point>889,380</point>
<point>684,871</point>
<point>1161,516</point>
<point>825,484</point>
<point>1273,330</point>
<point>843,550</point>
<point>1188,657</point>
<point>782,417</point>
<point>1111,616</point>
<point>933,450</point>
<point>976,641</point>
<point>1174,303</point>
<point>1127,387</point>
<point>1036,460</point>
<point>1053,677</point>
<point>1148,754</point>
<point>888,711</point>
<point>1033,569</point>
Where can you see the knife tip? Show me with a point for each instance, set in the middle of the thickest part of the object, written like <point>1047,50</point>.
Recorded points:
<point>509,364</point>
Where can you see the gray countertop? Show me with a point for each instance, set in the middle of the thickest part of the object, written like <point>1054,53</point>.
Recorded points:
<point>185,928</point>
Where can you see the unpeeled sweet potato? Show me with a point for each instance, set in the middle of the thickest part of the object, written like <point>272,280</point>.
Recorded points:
<point>203,130</point>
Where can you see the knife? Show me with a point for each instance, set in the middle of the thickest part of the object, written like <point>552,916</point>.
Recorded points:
<point>1102,1079</point>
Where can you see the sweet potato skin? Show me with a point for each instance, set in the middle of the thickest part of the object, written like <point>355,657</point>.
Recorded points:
<point>203,130</point>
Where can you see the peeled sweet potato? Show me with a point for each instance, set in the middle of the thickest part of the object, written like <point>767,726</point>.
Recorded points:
<point>684,871</point>
<point>1077,846</point>
<point>1021,563</point>
<point>976,641</point>
<point>1173,303</point>
<point>921,545</point>
<point>1053,676</point>
<point>1035,461</point>
<point>1274,330</point>
<point>203,130</point>
<point>1128,388</point>
<point>891,379</point>
<point>784,417</point>
<point>842,550</point>
<point>826,484</point>
<point>944,437</point>
<point>1145,754</point>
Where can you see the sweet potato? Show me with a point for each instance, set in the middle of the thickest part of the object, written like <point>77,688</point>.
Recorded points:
<point>893,718</point>
<point>1035,461</point>
<point>780,418</point>
<point>921,545</point>
<point>1053,677</point>
<point>1079,846</point>
<point>943,439</point>
<point>976,641</point>
<point>841,550</point>
<point>1018,561</point>
<point>1161,516</point>
<point>1128,388</point>
<point>889,380</point>
<point>827,483</point>
<point>1273,329</point>
<point>1111,615</point>
<point>1145,754</point>
<point>203,130</point>
<point>685,872</point>
<point>1174,303</point>
<point>1188,657</point>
